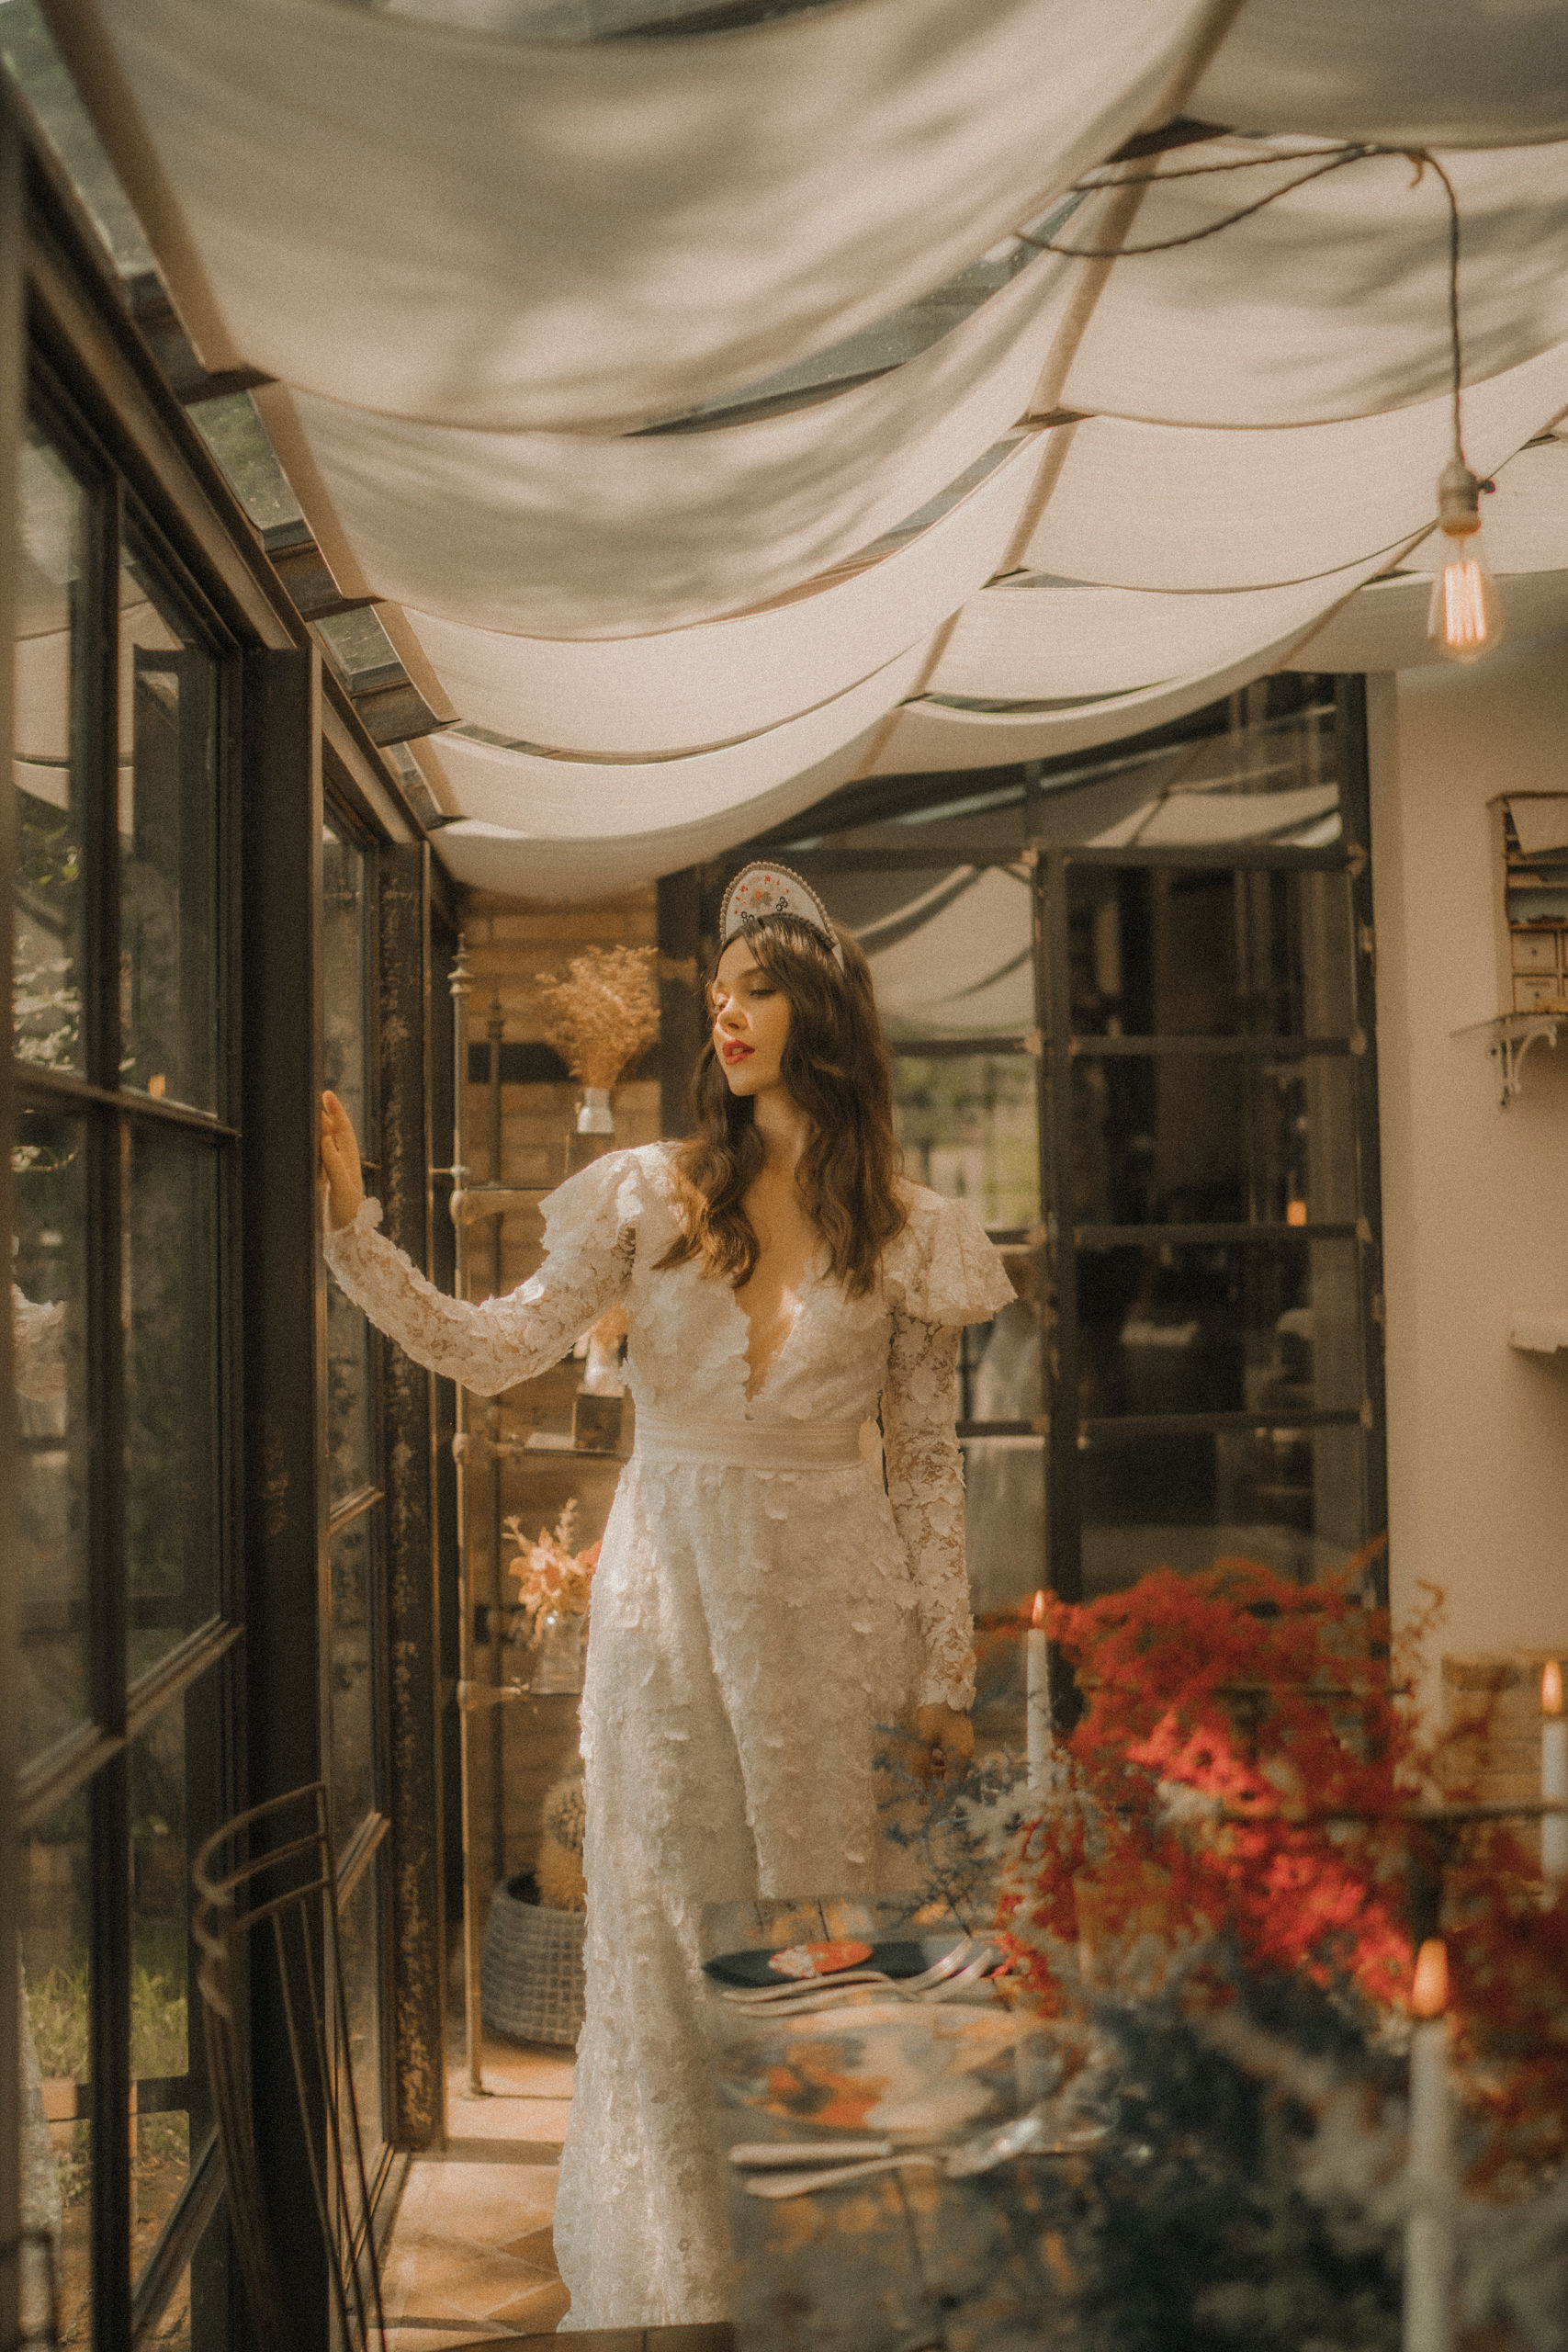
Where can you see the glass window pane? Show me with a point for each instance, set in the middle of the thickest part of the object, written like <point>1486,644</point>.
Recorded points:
<point>56,2076</point>
<point>1255,780</point>
<point>161,2020</point>
<point>968,1125</point>
<point>168,803</point>
<point>1270,1328</point>
<point>350,1360</point>
<point>48,768</point>
<point>351,1455</point>
<point>173,1388</point>
<point>54,1426</point>
<point>355,1550</point>
<point>949,947</point>
<point>343,974</point>
<point>1164,952</point>
<point>1290,1498</point>
<point>360,1949</point>
<point>1213,1138</point>
<point>1004,1520</point>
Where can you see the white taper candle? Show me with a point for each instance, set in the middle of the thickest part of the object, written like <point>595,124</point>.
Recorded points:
<point>1554,1780</point>
<point>1037,1702</point>
<point>1428,2228</point>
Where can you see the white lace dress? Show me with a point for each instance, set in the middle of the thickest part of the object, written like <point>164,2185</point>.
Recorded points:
<point>762,1607</point>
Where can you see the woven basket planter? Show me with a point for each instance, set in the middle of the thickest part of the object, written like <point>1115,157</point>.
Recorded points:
<point>531,1968</point>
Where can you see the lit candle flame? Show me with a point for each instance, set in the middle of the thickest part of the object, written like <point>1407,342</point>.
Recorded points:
<point>1430,1987</point>
<point>1551,1687</point>
<point>1037,1619</point>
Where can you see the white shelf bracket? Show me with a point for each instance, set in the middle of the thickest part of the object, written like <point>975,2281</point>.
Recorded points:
<point>1512,1035</point>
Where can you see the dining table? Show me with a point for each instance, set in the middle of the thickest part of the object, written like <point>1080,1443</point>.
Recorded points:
<point>906,2258</point>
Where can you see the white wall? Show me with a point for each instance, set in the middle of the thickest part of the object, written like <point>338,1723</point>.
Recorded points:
<point>1475,1198</point>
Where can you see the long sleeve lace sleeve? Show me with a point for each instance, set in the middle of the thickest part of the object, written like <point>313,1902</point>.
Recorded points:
<point>590,1243</point>
<point>37,1338</point>
<point>925,1486</point>
<point>938,1275</point>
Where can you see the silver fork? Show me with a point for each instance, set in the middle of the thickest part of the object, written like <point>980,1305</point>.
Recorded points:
<point>1026,2135</point>
<point>764,1995</point>
<point>930,1988</point>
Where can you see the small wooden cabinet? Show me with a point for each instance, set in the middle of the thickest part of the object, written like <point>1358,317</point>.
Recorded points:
<point>1534,843</point>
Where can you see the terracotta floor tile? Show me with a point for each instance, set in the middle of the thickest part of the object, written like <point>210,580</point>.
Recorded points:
<point>537,2312</point>
<point>489,2221</point>
<point>471,2250</point>
<point>477,2280</point>
<point>538,2246</point>
<point>509,2115</point>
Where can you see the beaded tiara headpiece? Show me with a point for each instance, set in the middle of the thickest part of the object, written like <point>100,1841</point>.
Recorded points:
<point>774,890</point>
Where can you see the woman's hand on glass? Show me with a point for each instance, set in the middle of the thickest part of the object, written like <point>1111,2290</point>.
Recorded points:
<point>343,1186</point>
<point>944,1741</point>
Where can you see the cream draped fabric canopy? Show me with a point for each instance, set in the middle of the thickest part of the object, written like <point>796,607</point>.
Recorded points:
<point>478,263</point>
<point>438,223</point>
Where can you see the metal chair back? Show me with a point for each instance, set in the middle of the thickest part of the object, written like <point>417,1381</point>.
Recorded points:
<point>266,1899</point>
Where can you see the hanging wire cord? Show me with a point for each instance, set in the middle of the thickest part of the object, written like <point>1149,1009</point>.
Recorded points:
<point>1323,162</point>
<point>1333,160</point>
<point>1421,157</point>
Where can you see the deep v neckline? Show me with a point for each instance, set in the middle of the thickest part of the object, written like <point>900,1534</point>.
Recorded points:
<point>754,1382</point>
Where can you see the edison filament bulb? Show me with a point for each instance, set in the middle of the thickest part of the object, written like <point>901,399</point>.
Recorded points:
<point>1465,617</point>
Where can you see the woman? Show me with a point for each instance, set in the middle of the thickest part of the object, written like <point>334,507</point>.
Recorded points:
<point>763,1610</point>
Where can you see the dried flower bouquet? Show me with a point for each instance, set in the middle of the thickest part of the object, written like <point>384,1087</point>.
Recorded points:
<point>604,1013</point>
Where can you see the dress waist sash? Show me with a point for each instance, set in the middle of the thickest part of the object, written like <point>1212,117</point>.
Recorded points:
<point>748,1445</point>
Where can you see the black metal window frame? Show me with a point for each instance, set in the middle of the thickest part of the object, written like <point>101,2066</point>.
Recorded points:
<point>1058,1245</point>
<point>95,1759</point>
<point>64,312</point>
<point>359,1843</point>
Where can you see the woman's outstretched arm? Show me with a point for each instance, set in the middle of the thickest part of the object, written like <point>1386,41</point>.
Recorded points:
<point>490,1347</point>
<point>925,1486</point>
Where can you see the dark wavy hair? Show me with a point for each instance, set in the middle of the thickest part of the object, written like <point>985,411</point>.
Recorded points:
<point>837,1068</point>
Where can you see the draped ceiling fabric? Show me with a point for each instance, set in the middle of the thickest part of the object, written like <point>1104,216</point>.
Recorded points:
<point>439,223</point>
<point>502,281</point>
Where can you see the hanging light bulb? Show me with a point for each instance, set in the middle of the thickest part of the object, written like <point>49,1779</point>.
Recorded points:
<point>1465,617</point>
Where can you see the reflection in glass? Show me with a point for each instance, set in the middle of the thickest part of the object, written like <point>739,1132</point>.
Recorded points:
<point>968,1125</point>
<point>353,1551</point>
<point>950,950</point>
<point>54,1425</point>
<point>1219,1328</point>
<point>171,1387</point>
<point>350,1431</point>
<point>160,2049</point>
<point>1004,1478</point>
<point>1281,1494</point>
<point>344,975</point>
<point>350,1360</point>
<point>1216,952</point>
<point>1213,1139</point>
<point>360,1947</point>
<point>56,2147</point>
<point>50,746</point>
<point>168,800</point>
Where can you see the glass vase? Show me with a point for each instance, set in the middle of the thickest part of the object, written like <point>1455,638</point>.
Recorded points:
<point>557,1667</point>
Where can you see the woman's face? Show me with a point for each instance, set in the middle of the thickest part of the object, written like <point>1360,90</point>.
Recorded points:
<point>750,1022</point>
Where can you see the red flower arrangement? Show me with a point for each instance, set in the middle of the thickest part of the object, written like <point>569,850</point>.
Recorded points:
<point>1247,1782</point>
